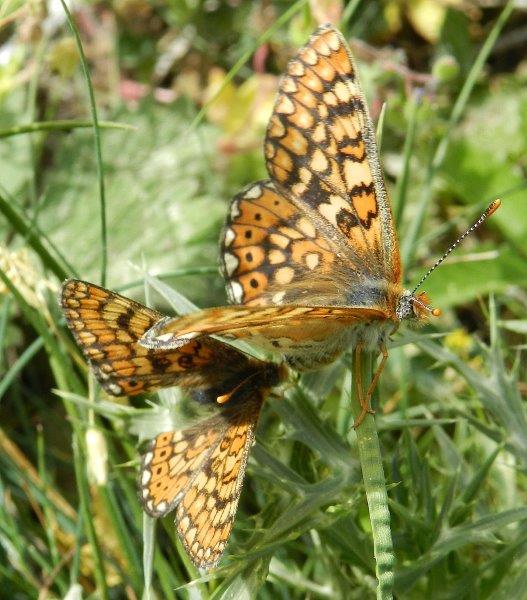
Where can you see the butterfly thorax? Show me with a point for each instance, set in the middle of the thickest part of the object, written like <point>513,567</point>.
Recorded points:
<point>269,374</point>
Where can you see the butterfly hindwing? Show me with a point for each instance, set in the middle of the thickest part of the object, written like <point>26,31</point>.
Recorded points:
<point>271,250</point>
<point>198,471</point>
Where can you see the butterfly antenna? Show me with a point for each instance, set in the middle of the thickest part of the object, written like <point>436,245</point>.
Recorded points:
<point>492,208</point>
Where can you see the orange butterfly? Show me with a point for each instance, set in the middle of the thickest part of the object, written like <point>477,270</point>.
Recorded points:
<point>312,252</point>
<point>198,471</point>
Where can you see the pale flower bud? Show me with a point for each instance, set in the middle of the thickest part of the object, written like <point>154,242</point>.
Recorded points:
<point>97,457</point>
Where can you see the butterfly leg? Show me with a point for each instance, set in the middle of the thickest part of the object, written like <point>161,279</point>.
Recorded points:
<point>357,377</point>
<point>365,400</point>
<point>377,374</point>
<point>224,398</point>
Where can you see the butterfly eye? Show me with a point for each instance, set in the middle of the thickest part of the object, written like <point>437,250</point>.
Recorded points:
<point>405,307</point>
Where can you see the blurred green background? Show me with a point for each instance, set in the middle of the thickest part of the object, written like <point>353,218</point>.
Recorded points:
<point>185,89</point>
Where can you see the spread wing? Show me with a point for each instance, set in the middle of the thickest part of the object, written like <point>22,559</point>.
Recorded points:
<point>107,327</point>
<point>200,470</point>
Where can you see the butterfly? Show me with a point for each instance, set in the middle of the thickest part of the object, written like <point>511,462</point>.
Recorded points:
<point>311,254</point>
<point>199,471</point>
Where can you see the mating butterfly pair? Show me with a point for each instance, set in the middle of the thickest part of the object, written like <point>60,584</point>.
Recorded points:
<point>310,257</point>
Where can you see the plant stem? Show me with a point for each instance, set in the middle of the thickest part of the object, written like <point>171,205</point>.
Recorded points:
<point>374,485</point>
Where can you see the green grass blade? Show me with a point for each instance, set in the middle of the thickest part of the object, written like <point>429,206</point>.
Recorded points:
<point>60,126</point>
<point>284,18</point>
<point>33,238</point>
<point>97,143</point>
<point>99,571</point>
<point>123,535</point>
<point>149,529</point>
<point>400,196</point>
<point>168,275</point>
<point>20,363</point>
<point>380,126</point>
<point>479,532</point>
<point>474,485</point>
<point>349,11</point>
<point>4,318</point>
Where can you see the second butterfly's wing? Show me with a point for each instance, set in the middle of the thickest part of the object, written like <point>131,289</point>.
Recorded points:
<point>108,327</point>
<point>321,154</point>
<point>200,470</point>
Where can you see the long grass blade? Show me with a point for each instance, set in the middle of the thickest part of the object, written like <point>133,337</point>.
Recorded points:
<point>97,143</point>
<point>37,127</point>
<point>22,226</point>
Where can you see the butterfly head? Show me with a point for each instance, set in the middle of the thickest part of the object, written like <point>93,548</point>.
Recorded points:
<point>413,306</point>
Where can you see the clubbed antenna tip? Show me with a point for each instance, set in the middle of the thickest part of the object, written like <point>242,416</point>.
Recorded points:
<point>493,207</point>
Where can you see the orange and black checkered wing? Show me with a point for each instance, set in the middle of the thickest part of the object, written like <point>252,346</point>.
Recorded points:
<point>321,154</point>
<point>107,327</point>
<point>271,249</point>
<point>200,471</point>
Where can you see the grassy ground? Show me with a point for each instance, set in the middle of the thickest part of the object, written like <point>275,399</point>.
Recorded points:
<point>451,419</point>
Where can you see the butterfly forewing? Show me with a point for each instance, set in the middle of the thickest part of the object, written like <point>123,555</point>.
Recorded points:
<point>107,327</point>
<point>321,154</point>
<point>242,321</point>
<point>201,470</point>
<point>307,336</point>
